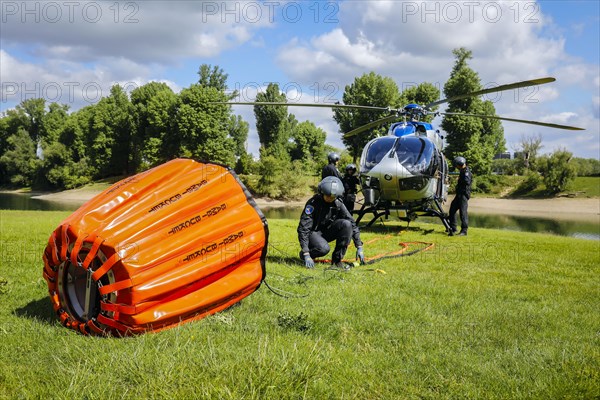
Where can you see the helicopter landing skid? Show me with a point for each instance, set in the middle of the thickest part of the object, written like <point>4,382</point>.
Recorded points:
<point>438,211</point>
<point>377,213</point>
<point>435,211</point>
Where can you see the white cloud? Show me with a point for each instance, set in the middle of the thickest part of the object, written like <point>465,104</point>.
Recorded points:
<point>561,118</point>
<point>149,31</point>
<point>70,83</point>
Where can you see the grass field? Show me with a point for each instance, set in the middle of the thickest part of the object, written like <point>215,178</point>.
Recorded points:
<point>495,315</point>
<point>586,186</point>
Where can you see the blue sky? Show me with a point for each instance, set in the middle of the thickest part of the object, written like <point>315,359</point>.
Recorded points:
<point>72,52</point>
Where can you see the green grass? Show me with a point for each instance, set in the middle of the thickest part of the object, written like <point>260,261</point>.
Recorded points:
<point>500,186</point>
<point>495,315</point>
<point>581,187</point>
<point>585,186</point>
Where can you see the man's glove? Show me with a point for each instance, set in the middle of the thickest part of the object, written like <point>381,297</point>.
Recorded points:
<point>360,255</point>
<point>308,262</point>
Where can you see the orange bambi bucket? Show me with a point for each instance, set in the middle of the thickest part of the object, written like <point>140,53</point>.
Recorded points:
<point>169,245</point>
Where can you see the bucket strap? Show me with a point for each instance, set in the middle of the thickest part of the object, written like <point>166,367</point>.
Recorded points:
<point>76,249</point>
<point>64,242</point>
<point>97,241</point>
<point>113,287</point>
<point>108,264</point>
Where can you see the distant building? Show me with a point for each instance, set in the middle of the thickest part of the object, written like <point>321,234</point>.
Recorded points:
<point>522,155</point>
<point>502,156</point>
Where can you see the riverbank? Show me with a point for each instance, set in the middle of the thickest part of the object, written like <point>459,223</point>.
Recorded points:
<point>576,209</point>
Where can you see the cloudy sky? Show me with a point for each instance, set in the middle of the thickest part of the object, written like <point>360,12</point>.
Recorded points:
<point>72,52</point>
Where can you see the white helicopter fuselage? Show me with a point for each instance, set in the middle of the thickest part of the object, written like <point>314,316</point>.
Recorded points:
<point>389,174</point>
<point>404,169</point>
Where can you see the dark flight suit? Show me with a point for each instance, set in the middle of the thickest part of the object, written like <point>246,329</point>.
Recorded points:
<point>330,170</point>
<point>460,202</point>
<point>350,183</point>
<point>321,223</point>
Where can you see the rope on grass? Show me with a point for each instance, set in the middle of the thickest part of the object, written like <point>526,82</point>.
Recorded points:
<point>403,252</point>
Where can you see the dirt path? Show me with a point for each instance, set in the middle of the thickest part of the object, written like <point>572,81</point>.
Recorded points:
<point>558,208</point>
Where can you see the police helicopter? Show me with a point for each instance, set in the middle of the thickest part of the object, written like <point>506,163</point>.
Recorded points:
<point>406,171</point>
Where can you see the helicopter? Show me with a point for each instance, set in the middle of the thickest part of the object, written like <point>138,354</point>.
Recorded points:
<point>406,171</point>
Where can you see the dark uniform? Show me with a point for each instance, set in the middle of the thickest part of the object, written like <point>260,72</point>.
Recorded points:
<point>351,182</point>
<point>330,170</point>
<point>460,202</point>
<point>323,222</point>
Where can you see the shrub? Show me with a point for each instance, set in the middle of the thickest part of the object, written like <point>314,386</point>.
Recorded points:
<point>557,171</point>
<point>489,184</point>
<point>529,184</point>
<point>283,180</point>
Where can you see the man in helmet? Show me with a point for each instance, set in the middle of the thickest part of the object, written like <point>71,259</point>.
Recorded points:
<point>325,219</point>
<point>461,199</point>
<point>351,183</point>
<point>331,168</point>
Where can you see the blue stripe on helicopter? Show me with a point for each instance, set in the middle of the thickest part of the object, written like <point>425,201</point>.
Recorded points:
<point>409,127</point>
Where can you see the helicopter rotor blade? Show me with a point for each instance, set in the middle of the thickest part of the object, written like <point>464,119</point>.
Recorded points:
<point>501,88</point>
<point>370,125</point>
<point>265,103</point>
<point>524,121</point>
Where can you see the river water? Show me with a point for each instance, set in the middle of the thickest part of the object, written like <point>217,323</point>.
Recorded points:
<point>585,230</point>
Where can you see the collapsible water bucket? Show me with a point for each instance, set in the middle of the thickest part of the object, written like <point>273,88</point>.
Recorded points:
<point>169,245</point>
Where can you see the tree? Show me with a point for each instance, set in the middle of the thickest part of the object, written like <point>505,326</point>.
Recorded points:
<point>109,138</point>
<point>58,170</point>
<point>4,135</point>
<point>33,110</point>
<point>19,161</point>
<point>476,139</point>
<point>586,166</point>
<point>529,147</point>
<point>492,135</point>
<point>238,132</point>
<point>214,77</point>
<point>74,134</point>
<point>245,164</point>
<point>200,129</point>
<point>557,171</point>
<point>153,105</point>
<point>53,122</point>
<point>270,122</point>
<point>308,142</point>
<point>367,90</point>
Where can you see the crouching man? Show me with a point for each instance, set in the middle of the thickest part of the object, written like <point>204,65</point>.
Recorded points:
<point>325,219</point>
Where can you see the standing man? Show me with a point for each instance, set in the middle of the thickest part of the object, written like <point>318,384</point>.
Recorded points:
<point>463,194</point>
<point>325,219</point>
<point>331,168</point>
<point>351,183</point>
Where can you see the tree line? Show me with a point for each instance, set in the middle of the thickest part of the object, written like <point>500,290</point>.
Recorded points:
<point>46,146</point>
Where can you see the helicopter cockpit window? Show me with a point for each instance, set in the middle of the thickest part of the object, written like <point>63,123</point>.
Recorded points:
<point>415,154</point>
<point>376,151</point>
